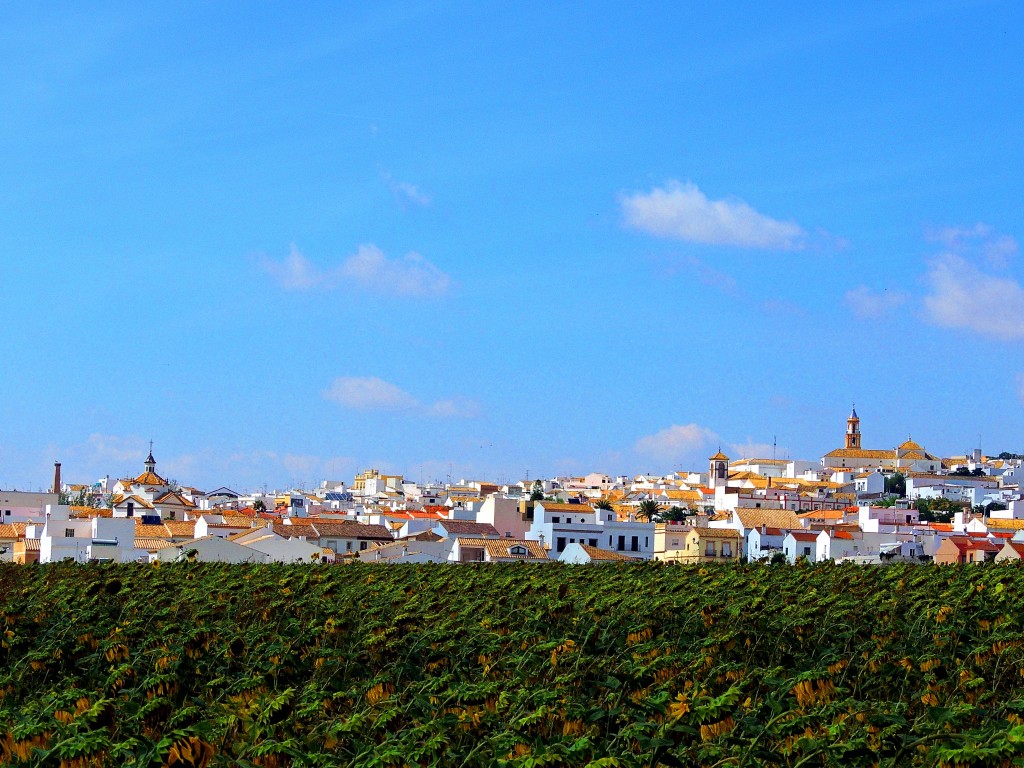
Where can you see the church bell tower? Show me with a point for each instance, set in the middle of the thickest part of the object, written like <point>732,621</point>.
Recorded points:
<point>853,430</point>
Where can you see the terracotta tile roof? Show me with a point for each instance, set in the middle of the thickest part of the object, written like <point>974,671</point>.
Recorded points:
<point>823,514</point>
<point>90,512</point>
<point>804,535</point>
<point>965,543</point>
<point>755,517</point>
<point>31,545</point>
<point>579,509</point>
<point>1004,524</point>
<point>151,544</point>
<point>120,499</point>
<point>10,531</point>
<point>596,553</point>
<point>467,528</point>
<point>499,548</point>
<point>718,533</point>
<point>149,478</point>
<point>151,531</point>
<point>181,527</point>
<point>293,531</point>
<point>349,529</point>
<point>173,498</point>
<point>859,453</point>
<point>423,536</point>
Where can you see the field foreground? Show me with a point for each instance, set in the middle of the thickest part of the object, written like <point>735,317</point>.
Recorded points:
<point>196,665</point>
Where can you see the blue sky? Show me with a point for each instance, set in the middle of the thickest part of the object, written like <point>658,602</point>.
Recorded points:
<point>484,238</point>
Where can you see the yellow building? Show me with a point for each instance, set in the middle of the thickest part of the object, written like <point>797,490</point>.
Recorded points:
<point>704,545</point>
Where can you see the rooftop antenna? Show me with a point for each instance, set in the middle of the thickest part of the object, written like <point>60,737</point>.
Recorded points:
<point>774,445</point>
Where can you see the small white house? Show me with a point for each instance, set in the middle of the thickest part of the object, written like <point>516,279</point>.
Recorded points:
<point>811,545</point>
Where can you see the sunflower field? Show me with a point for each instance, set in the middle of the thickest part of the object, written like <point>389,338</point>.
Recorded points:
<point>511,665</point>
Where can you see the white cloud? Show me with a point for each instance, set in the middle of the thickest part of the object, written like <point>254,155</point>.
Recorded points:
<point>406,193</point>
<point>865,303</point>
<point>295,272</point>
<point>368,269</point>
<point>752,450</point>
<point>456,408</point>
<point>682,212</point>
<point>370,393</point>
<point>981,240</point>
<point>961,296</point>
<point>412,275</point>
<point>675,442</point>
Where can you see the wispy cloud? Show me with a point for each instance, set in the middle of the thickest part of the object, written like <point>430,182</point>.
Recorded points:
<point>681,211</point>
<point>412,275</point>
<point>706,274</point>
<point>406,193</point>
<point>868,304</point>
<point>676,442</point>
<point>981,240</point>
<point>370,393</point>
<point>368,269</point>
<point>962,296</point>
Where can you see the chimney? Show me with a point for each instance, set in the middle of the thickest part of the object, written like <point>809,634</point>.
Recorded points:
<point>56,477</point>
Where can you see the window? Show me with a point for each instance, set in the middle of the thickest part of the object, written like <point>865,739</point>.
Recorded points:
<point>593,542</point>
<point>69,533</point>
<point>709,549</point>
<point>348,546</point>
<point>556,519</point>
<point>807,551</point>
<point>622,543</point>
<point>647,542</point>
<point>560,544</point>
<point>634,544</point>
<point>131,509</point>
<point>609,517</point>
<point>7,511</point>
<point>726,549</point>
<point>362,545</point>
<point>518,549</point>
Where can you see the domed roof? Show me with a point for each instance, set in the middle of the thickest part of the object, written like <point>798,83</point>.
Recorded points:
<point>718,456</point>
<point>910,445</point>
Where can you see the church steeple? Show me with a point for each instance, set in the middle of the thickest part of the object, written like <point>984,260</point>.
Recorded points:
<point>853,429</point>
<point>150,461</point>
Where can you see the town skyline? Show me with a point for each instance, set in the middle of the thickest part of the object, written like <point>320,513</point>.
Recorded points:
<point>292,243</point>
<point>734,452</point>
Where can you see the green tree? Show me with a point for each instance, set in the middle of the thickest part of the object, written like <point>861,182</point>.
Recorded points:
<point>648,510</point>
<point>896,484</point>
<point>675,514</point>
<point>603,503</point>
<point>259,506</point>
<point>538,491</point>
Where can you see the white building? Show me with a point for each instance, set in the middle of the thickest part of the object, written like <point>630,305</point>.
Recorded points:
<point>558,525</point>
<point>84,540</point>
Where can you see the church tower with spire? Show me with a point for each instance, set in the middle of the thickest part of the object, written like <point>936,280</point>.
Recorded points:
<point>853,430</point>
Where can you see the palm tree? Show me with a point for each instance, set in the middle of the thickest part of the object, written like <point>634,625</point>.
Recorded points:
<point>648,510</point>
<point>603,503</point>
